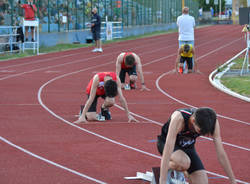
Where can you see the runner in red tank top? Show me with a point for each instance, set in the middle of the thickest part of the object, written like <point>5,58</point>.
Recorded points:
<point>128,62</point>
<point>105,85</point>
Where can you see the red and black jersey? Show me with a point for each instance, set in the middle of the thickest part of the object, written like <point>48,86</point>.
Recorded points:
<point>185,138</point>
<point>100,89</point>
<point>123,66</point>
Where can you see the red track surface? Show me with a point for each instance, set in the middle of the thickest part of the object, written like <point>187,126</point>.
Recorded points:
<point>40,96</point>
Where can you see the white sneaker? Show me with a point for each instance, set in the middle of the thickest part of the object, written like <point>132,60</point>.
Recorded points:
<point>95,50</point>
<point>127,87</point>
<point>99,50</point>
<point>175,177</point>
<point>99,117</point>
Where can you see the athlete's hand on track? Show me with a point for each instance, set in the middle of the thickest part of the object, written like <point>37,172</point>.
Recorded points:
<point>80,120</point>
<point>144,88</point>
<point>131,118</point>
<point>198,71</point>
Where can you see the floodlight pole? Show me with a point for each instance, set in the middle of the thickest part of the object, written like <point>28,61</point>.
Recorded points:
<point>246,59</point>
<point>220,10</point>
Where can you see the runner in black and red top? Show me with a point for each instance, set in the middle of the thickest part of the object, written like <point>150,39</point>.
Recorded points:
<point>107,86</point>
<point>129,62</point>
<point>176,144</point>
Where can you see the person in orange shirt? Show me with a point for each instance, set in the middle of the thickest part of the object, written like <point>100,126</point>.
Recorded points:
<point>107,86</point>
<point>29,14</point>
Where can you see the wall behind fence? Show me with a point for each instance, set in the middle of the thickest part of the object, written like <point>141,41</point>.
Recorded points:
<point>66,15</point>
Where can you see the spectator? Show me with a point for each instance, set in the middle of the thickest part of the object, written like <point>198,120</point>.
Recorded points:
<point>29,14</point>
<point>229,13</point>
<point>212,11</point>
<point>96,30</point>
<point>186,24</point>
<point>200,13</point>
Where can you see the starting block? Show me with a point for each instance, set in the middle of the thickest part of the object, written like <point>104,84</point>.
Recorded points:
<point>143,176</point>
<point>153,177</point>
<point>156,178</point>
<point>127,87</point>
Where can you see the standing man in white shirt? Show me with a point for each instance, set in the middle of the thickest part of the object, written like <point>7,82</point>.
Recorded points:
<point>186,24</point>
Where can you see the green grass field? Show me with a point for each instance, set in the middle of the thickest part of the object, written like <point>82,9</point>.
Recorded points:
<point>238,84</point>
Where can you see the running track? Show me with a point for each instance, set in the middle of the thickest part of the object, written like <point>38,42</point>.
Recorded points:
<point>41,95</point>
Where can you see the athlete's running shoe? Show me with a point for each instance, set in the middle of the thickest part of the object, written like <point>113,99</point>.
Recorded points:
<point>132,85</point>
<point>106,113</point>
<point>175,177</point>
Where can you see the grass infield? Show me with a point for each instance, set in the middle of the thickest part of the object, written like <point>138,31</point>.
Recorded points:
<point>238,84</point>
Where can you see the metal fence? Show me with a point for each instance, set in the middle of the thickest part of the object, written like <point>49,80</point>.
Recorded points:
<point>65,15</point>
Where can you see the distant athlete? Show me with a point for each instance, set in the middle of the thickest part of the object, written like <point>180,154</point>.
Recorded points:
<point>186,55</point>
<point>176,144</point>
<point>129,62</point>
<point>105,85</point>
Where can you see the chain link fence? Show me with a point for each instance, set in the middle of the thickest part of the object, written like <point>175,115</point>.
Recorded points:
<point>66,15</point>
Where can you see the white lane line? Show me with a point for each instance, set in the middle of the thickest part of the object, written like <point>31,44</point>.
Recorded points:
<point>103,137</point>
<point>115,141</point>
<point>98,56</point>
<point>50,162</point>
<point>161,124</point>
<point>98,135</point>
<point>19,104</point>
<point>186,104</point>
<point>74,54</point>
<point>45,68</point>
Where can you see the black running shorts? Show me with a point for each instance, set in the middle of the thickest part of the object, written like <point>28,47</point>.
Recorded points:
<point>130,71</point>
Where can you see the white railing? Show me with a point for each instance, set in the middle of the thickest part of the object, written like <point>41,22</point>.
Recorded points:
<point>111,30</point>
<point>8,39</point>
<point>33,45</point>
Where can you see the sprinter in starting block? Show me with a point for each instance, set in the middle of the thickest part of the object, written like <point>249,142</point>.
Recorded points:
<point>129,62</point>
<point>176,144</point>
<point>107,86</point>
<point>186,59</point>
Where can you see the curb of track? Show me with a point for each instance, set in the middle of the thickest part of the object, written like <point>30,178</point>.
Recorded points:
<point>214,79</point>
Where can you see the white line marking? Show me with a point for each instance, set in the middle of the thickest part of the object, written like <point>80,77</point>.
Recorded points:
<point>181,102</point>
<point>105,138</point>
<point>39,93</point>
<point>50,162</point>
<point>98,135</point>
<point>207,138</point>
<point>52,71</point>
<point>81,60</point>
<point>7,71</point>
<point>18,104</point>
